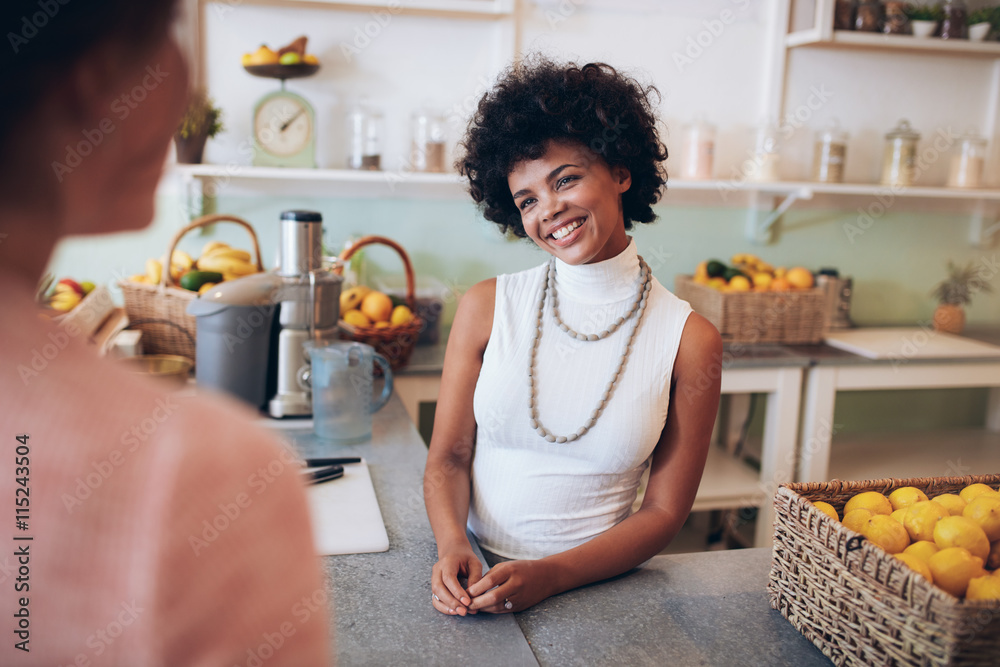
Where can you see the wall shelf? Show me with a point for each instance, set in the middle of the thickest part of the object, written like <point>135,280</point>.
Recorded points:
<point>873,41</point>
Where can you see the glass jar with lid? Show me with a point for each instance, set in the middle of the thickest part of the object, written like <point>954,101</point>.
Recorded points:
<point>899,159</point>
<point>427,147</point>
<point>967,162</point>
<point>868,16</point>
<point>698,153</point>
<point>896,21</point>
<point>954,25</point>
<point>830,154</point>
<point>764,162</point>
<point>364,137</point>
<point>843,14</point>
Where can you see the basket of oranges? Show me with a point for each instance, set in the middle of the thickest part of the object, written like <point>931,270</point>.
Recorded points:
<point>370,317</point>
<point>891,571</point>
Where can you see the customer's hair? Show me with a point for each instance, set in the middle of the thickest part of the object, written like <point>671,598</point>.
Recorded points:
<point>45,38</point>
<point>540,100</point>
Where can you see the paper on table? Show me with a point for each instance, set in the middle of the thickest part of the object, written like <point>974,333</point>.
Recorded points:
<point>908,343</point>
<point>345,515</point>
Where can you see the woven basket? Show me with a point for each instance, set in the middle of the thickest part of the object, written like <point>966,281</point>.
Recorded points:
<point>758,317</point>
<point>160,311</point>
<point>394,343</point>
<point>858,604</point>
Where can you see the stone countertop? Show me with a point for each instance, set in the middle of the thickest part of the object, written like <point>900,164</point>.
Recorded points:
<point>707,608</point>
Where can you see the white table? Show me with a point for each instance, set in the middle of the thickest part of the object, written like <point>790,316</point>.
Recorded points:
<point>916,454</point>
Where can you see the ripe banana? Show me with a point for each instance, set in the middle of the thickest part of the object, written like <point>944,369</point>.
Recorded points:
<point>231,253</point>
<point>352,298</point>
<point>213,245</point>
<point>226,266</point>
<point>154,271</point>
<point>65,298</point>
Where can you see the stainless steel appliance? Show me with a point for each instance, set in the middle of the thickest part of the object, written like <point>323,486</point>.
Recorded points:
<point>838,299</point>
<point>309,309</point>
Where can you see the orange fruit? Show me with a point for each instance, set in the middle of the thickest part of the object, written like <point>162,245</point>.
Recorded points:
<point>800,278</point>
<point>377,307</point>
<point>780,285</point>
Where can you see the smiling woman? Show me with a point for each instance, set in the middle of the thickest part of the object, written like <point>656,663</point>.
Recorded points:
<point>121,480</point>
<point>564,383</point>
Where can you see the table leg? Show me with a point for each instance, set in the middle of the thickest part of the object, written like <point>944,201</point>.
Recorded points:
<point>817,424</point>
<point>993,410</point>
<point>777,464</point>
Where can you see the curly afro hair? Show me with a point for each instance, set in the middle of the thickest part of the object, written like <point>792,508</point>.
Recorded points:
<point>540,100</point>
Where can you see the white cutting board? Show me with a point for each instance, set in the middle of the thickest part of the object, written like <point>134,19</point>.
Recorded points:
<point>345,514</point>
<point>908,343</point>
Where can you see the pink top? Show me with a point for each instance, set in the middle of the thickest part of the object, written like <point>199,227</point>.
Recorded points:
<point>164,531</point>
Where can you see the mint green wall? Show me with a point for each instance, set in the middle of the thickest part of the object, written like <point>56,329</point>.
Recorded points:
<point>894,264</point>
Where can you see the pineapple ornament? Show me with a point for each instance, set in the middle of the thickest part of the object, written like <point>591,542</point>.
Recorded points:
<point>953,294</point>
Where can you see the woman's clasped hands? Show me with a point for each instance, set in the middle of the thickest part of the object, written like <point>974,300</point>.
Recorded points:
<point>507,587</point>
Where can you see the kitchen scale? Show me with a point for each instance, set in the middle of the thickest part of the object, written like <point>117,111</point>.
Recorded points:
<point>284,123</point>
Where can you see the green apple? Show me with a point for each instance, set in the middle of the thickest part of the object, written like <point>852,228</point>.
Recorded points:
<point>290,58</point>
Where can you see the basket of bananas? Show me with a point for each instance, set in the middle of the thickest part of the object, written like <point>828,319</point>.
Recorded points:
<point>156,301</point>
<point>370,317</point>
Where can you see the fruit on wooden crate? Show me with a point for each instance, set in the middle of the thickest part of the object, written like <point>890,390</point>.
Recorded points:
<point>951,540</point>
<point>746,272</point>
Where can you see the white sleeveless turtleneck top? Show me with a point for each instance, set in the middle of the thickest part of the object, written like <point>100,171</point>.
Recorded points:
<point>532,498</point>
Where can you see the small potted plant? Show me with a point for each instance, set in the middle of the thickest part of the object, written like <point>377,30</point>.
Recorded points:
<point>924,18</point>
<point>202,120</point>
<point>981,21</point>
<point>953,294</point>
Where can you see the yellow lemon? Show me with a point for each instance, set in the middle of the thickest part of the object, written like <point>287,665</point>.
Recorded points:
<point>799,277</point>
<point>993,561</point>
<point>974,491</point>
<point>959,531</point>
<point>827,509</point>
<point>921,517</point>
<point>886,533</point>
<point>898,515</point>
<point>870,500</point>
<point>382,325</point>
<point>762,280</point>
<point>856,519</point>
<point>739,284</point>
<point>951,502</point>
<point>377,307</point>
<point>717,283</point>
<point>983,588</point>
<point>905,496</point>
<point>701,271</point>
<point>356,318</point>
<point>953,568</point>
<point>917,564</point>
<point>400,315</point>
<point>922,549</point>
<point>984,510</point>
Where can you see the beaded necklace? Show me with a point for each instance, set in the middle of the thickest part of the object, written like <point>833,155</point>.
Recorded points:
<point>549,292</point>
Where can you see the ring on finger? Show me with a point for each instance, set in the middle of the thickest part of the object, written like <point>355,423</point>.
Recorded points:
<point>434,595</point>
<point>507,604</point>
